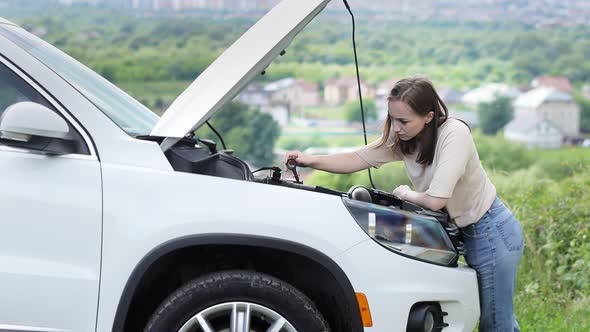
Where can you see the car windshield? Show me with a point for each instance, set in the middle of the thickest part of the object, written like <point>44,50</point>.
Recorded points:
<point>126,112</point>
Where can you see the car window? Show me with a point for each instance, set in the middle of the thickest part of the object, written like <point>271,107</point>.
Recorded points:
<point>14,89</point>
<point>130,115</point>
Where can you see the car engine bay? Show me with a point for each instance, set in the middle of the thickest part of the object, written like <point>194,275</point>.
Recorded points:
<point>200,156</point>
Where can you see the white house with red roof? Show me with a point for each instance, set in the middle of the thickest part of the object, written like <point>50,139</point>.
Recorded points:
<point>544,117</point>
<point>560,83</point>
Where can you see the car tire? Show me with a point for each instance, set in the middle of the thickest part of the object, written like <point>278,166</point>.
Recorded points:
<point>218,290</point>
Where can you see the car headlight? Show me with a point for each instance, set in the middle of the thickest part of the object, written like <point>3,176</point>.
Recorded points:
<point>415,236</point>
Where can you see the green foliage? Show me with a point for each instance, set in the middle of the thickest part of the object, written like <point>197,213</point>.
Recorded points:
<point>162,93</point>
<point>352,110</point>
<point>300,144</point>
<point>324,113</point>
<point>496,153</point>
<point>556,263</point>
<point>584,113</point>
<point>249,132</point>
<point>494,115</point>
<point>123,47</point>
<point>341,182</point>
<point>561,169</point>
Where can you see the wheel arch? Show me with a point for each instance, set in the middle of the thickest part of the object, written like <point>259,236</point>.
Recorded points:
<point>266,244</point>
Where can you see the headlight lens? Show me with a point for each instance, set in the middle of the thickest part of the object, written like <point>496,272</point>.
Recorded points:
<point>408,234</point>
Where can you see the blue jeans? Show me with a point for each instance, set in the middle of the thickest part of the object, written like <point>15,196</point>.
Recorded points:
<point>493,247</point>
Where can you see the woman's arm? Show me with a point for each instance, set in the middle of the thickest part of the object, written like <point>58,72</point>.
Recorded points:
<point>342,163</point>
<point>423,199</point>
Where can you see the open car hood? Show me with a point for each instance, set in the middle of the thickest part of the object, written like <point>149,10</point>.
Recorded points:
<point>235,68</point>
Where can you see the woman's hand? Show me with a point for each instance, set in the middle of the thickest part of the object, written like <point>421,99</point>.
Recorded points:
<point>402,192</point>
<point>300,158</point>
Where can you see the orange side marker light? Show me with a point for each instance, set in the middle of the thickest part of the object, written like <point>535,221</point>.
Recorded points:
<point>364,309</point>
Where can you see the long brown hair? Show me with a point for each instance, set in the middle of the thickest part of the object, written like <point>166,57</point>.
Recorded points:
<point>418,93</point>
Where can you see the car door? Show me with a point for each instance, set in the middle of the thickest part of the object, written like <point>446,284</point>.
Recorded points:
<point>50,225</point>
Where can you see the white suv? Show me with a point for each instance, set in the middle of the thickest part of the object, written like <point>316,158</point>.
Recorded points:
<point>112,219</point>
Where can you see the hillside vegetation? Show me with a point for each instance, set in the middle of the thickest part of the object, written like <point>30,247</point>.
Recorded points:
<point>126,48</point>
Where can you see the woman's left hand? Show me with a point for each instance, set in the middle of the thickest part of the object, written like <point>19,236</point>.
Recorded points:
<point>402,191</point>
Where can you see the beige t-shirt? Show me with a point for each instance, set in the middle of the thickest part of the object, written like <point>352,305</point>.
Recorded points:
<point>455,173</point>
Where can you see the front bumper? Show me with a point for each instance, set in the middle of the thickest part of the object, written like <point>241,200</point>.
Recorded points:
<point>393,284</point>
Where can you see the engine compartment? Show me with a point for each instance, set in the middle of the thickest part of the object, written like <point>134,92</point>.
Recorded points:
<point>200,156</point>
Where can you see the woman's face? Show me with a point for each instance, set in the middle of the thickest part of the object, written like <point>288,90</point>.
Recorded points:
<point>405,122</point>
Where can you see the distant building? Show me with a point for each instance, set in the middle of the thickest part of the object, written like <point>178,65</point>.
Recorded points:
<point>586,91</point>
<point>195,4</point>
<point>72,2</point>
<point>310,93</point>
<point>254,95</point>
<point>468,116</point>
<point>295,92</point>
<point>339,90</point>
<point>450,96</point>
<point>550,105</point>
<point>82,36</point>
<point>539,14</point>
<point>141,4</point>
<point>488,93</point>
<point>384,88</point>
<point>534,131</point>
<point>382,91</point>
<point>560,83</point>
<point>281,98</point>
<point>279,112</point>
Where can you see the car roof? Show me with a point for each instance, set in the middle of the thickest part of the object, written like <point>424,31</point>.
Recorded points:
<point>5,21</point>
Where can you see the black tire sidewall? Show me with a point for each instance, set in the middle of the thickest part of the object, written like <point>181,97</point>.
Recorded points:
<point>237,286</point>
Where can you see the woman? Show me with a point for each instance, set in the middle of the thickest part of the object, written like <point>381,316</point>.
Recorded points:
<point>442,162</point>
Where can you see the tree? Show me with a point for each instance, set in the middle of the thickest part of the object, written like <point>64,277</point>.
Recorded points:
<point>247,131</point>
<point>494,115</point>
<point>584,113</point>
<point>352,110</point>
<point>159,104</point>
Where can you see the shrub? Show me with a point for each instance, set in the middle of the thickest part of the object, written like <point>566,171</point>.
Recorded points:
<point>352,110</point>
<point>494,115</point>
<point>498,154</point>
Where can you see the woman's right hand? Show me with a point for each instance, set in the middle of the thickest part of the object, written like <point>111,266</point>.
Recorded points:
<point>302,159</point>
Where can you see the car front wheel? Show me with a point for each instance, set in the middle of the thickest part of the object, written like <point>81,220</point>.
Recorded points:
<point>237,301</point>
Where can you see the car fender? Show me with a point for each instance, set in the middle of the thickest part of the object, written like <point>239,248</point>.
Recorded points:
<point>144,209</point>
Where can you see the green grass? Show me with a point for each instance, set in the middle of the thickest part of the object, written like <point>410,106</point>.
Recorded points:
<point>564,154</point>
<point>328,113</point>
<point>540,314</point>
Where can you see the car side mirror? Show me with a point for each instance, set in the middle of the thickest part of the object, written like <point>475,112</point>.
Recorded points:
<point>35,127</point>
